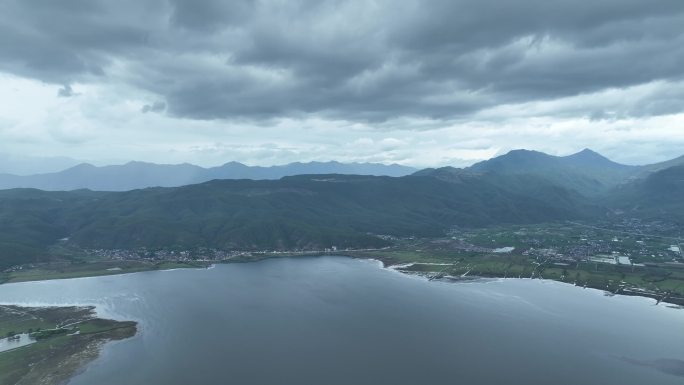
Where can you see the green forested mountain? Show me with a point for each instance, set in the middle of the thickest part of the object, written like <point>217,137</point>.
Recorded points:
<point>586,172</point>
<point>655,190</point>
<point>659,194</point>
<point>31,220</point>
<point>313,211</point>
<point>320,211</point>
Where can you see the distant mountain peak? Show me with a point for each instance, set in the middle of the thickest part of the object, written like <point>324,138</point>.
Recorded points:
<point>82,166</point>
<point>233,163</point>
<point>136,174</point>
<point>587,171</point>
<point>524,151</point>
<point>513,160</point>
<point>589,157</point>
<point>587,154</point>
<point>589,151</point>
<point>137,163</point>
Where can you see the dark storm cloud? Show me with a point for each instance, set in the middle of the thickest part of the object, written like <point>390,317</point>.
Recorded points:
<point>66,40</point>
<point>354,60</point>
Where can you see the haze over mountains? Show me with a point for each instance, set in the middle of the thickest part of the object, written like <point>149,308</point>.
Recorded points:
<point>587,172</point>
<point>135,175</point>
<point>29,165</point>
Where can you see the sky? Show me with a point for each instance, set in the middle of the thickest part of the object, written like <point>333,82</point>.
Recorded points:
<point>420,83</point>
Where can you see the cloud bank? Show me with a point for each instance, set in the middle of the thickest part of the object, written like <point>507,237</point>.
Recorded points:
<point>232,74</point>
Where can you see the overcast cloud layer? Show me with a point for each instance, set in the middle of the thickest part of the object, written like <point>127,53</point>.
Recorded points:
<point>414,82</point>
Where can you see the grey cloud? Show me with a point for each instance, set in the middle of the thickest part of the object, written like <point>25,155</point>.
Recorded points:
<point>65,92</point>
<point>352,60</point>
<point>67,40</point>
<point>205,16</point>
<point>154,107</point>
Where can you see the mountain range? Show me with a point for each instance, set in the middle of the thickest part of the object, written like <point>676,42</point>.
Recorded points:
<point>322,210</point>
<point>304,212</point>
<point>586,172</point>
<point>136,175</point>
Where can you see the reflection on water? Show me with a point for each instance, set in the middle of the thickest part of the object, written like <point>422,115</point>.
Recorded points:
<point>334,320</point>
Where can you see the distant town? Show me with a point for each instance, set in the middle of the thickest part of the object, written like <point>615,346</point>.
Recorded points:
<point>627,256</point>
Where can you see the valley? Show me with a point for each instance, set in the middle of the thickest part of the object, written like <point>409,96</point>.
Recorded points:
<point>630,257</point>
<point>344,192</point>
<point>580,219</point>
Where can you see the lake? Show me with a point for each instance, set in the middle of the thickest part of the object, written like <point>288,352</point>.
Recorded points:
<point>336,320</point>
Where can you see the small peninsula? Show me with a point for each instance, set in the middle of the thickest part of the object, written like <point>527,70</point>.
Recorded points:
<point>49,345</point>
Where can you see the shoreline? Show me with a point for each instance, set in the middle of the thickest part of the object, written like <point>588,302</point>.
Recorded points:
<point>76,360</point>
<point>386,262</point>
<point>678,303</point>
<point>65,340</point>
<point>392,263</point>
<point>100,269</point>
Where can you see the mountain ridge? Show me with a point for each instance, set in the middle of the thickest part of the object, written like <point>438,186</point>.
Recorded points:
<point>303,212</point>
<point>135,174</point>
<point>586,171</point>
<point>315,211</point>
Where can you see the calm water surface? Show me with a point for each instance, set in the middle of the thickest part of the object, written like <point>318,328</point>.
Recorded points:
<point>334,320</point>
<point>14,343</point>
